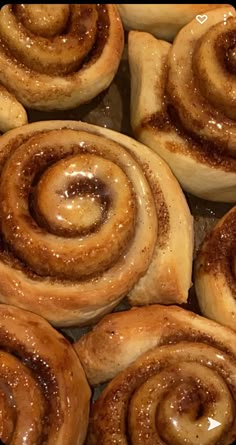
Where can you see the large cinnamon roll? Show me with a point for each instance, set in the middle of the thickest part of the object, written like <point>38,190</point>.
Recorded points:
<point>58,56</point>
<point>163,21</point>
<point>215,272</point>
<point>88,216</point>
<point>183,102</point>
<point>176,381</point>
<point>44,394</point>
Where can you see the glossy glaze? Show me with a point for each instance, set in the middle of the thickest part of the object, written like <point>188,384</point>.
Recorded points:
<point>72,34</point>
<point>215,277</point>
<point>40,376</point>
<point>86,217</point>
<point>195,79</point>
<point>171,378</point>
<point>56,57</point>
<point>181,113</point>
<point>167,398</point>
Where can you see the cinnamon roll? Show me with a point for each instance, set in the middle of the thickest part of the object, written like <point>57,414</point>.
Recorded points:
<point>56,57</point>
<point>183,102</point>
<point>44,394</point>
<point>163,21</point>
<point>215,272</point>
<point>176,381</point>
<point>88,216</point>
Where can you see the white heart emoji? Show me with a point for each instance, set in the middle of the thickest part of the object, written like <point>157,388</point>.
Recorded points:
<point>201,18</point>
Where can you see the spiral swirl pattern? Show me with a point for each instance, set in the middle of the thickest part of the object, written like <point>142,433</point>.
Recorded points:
<point>58,56</point>
<point>187,112</point>
<point>88,216</point>
<point>40,378</point>
<point>176,383</point>
<point>215,272</point>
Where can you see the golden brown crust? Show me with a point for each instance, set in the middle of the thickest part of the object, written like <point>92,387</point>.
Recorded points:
<point>12,113</point>
<point>41,374</point>
<point>215,278</point>
<point>47,256</point>
<point>120,338</point>
<point>163,21</point>
<point>70,66</point>
<point>178,105</point>
<point>174,378</point>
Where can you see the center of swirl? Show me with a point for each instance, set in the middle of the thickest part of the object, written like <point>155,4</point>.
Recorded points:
<point>231,59</point>
<point>44,20</point>
<point>193,412</point>
<point>74,196</point>
<point>49,39</point>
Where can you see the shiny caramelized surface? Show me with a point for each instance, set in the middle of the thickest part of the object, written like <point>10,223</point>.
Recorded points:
<point>110,109</point>
<point>39,377</point>
<point>52,39</point>
<point>171,378</point>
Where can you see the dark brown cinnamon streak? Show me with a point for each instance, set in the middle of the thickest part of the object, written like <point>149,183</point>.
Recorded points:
<point>173,378</point>
<point>215,272</point>
<point>59,56</point>
<point>183,102</point>
<point>40,378</point>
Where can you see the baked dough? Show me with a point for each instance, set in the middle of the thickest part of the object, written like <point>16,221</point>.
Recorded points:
<point>215,272</point>
<point>163,21</point>
<point>121,337</point>
<point>56,57</point>
<point>88,216</point>
<point>12,113</point>
<point>44,393</point>
<point>175,378</point>
<point>179,107</point>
